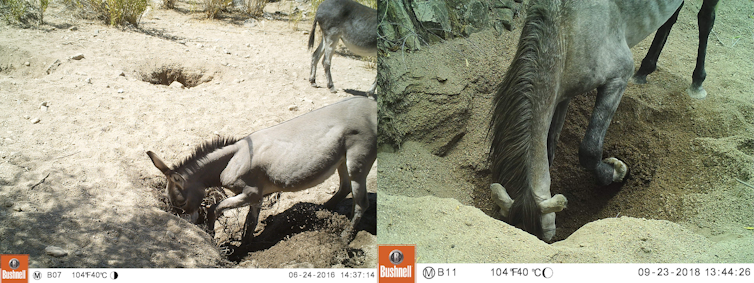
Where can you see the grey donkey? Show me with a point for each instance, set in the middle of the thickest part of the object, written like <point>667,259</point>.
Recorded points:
<point>292,156</point>
<point>356,24</point>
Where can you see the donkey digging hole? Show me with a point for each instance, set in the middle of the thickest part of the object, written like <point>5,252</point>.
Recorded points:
<point>304,235</point>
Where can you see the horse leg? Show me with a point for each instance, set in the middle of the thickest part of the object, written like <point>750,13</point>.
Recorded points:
<point>330,43</point>
<point>649,64</point>
<point>555,127</point>
<point>706,19</point>
<point>590,151</point>
<point>345,187</point>
<point>315,59</point>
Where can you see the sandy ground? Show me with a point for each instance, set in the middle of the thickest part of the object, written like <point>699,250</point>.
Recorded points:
<point>74,133</point>
<point>683,201</point>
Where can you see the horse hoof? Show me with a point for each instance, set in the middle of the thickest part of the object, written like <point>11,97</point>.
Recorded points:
<point>620,169</point>
<point>333,90</point>
<point>697,93</point>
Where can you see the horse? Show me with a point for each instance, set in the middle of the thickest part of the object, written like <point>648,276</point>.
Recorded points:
<point>705,20</point>
<point>292,156</point>
<point>352,22</point>
<point>566,48</point>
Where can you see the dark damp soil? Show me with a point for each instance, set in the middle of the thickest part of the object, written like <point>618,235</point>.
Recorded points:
<point>304,235</point>
<point>688,158</point>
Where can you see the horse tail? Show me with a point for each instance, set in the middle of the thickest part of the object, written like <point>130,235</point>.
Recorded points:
<point>311,34</point>
<point>525,84</point>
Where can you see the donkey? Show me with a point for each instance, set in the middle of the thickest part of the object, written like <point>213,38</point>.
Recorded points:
<point>705,19</point>
<point>356,24</point>
<point>292,156</point>
<point>566,48</point>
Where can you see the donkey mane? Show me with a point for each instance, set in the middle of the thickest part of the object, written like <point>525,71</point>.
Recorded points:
<point>192,162</point>
<point>512,115</point>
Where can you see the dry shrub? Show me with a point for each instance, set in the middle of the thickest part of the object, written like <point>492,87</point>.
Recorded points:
<point>168,4</point>
<point>22,11</point>
<point>115,12</point>
<point>255,7</point>
<point>213,7</point>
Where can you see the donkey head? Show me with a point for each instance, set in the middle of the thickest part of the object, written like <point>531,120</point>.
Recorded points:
<point>183,194</point>
<point>547,209</point>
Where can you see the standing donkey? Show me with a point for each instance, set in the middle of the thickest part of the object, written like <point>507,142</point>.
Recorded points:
<point>356,24</point>
<point>566,48</point>
<point>292,156</point>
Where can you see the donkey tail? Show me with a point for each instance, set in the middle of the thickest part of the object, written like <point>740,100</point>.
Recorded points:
<point>311,34</point>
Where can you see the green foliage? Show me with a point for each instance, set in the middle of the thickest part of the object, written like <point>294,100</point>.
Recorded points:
<point>15,11</point>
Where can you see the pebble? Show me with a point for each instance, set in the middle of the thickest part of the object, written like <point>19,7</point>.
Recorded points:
<point>73,29</point>
<point>176,84</point>
<point>35,120</point>
<point>78,56</point>
<point>88,80</point>
<point>120,90</point>
<point>56,251</point>
<point>170,234</point>
<point>27,64</point>
<point>293,108</point>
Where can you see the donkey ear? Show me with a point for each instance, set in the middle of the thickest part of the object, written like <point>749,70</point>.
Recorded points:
<point>159,164</point>
<point>501,197</point>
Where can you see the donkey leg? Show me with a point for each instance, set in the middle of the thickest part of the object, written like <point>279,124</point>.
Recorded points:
<point>330,43</point>
<point>345,187</point>
<point>649,64</point>
<point>373,89</point>
<point>248,196</point>
<point>252,218</point>
<point>315,59</point>
<point>590,150</point>
<point>555,127</point>
<point>706,19</point>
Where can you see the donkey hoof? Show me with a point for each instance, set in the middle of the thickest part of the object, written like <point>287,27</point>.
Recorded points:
<point>639,80</point>
<point>620,169</point>
<point>697,92</point>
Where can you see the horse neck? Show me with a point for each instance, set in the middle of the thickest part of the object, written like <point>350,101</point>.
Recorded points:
<point>207,170</point>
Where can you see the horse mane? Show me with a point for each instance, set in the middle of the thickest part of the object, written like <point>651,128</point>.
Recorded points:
<point>513,114</point>
<point>191,163</point>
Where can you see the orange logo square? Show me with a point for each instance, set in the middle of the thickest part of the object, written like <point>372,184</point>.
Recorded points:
<point>397,264</point>
<point>14,268</point>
